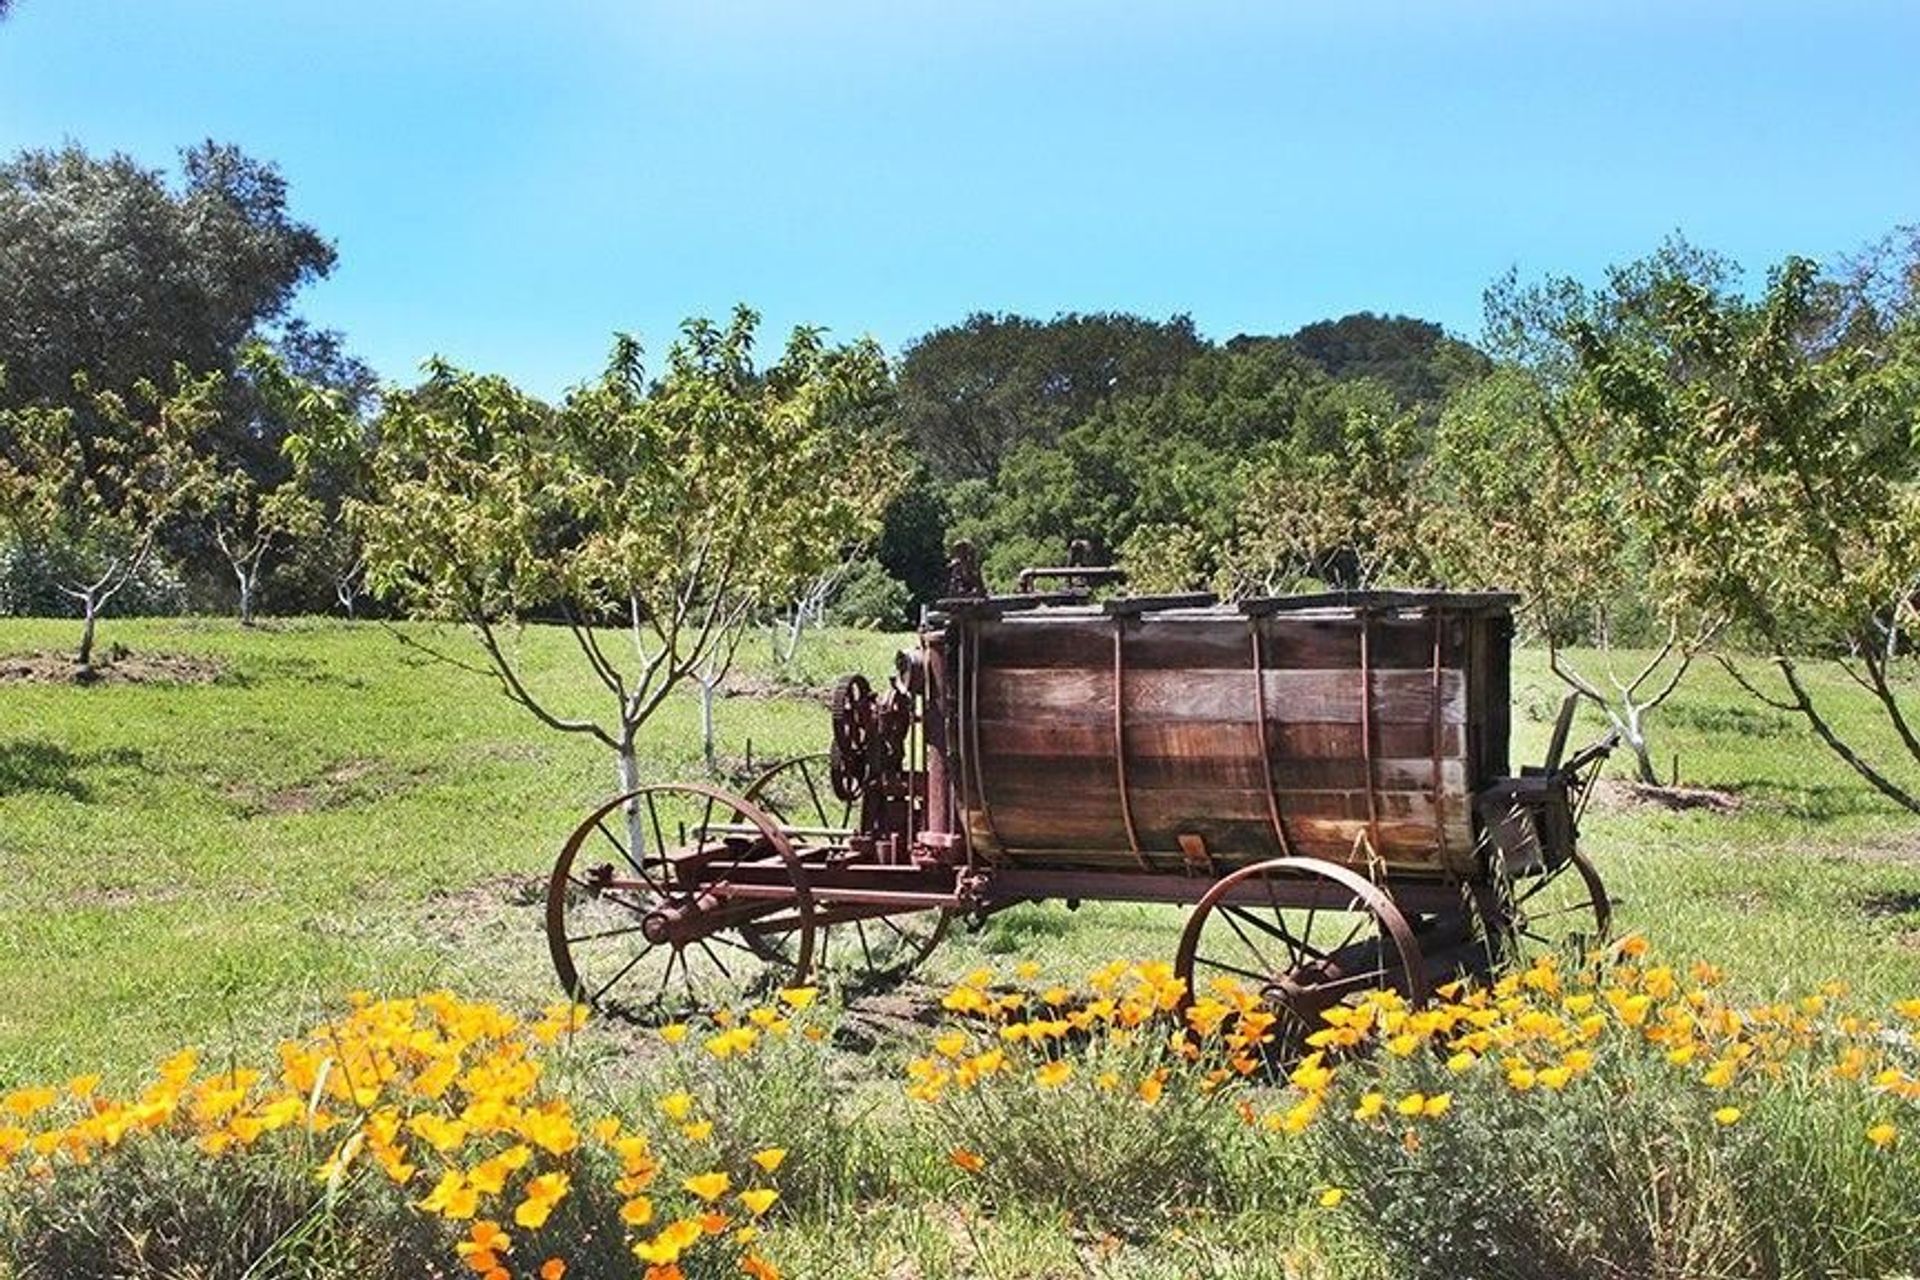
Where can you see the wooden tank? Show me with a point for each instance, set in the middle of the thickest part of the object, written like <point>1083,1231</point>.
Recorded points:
<point>1162,736</point>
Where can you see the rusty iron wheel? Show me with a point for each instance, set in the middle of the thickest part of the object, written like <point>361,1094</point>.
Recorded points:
<point>645,918</point>
<point>1303,934</point>
<point>1564,912</point>
<point>870,952</point>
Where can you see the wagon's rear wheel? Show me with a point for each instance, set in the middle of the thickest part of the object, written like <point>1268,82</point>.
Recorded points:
<point>1564,911</point>
<point>874,951</point>
<point>1302,935</point>
<point>675,899</point>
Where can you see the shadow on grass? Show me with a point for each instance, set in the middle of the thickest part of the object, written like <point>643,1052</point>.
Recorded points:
<point>1811,801</point>
<point>1893,902</point>
<point>1017,929</point>
<point>1722,719</point>
<point>33,765</point>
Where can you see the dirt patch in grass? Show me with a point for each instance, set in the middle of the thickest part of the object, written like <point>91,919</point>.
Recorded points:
<point>349,782</point>
<point>754,685</point>
<point>458,919</point>
<point>117,666</point>
<point>122,897</point>
<point>1620,796</point>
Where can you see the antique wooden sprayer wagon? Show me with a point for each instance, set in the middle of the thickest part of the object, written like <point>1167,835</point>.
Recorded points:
<point>1322,779</point>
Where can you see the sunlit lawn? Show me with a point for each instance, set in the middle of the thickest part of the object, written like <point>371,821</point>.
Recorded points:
<point>200,863</point>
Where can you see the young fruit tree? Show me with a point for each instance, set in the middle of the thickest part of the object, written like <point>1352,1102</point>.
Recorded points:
<point>1532,495</point>
<point>653,520</point>
<point>1341,504</point>
<point>95,502</point>
<point>1774,457</point>
<point>328,444</point>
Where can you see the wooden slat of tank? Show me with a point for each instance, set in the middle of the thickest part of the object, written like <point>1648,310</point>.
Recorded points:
<point>1027,736</point>
<point>1184,644</point>
<point>1402,843</point>
<point>1244,772</point>
<point>1218,696</point>
<point>1078,764</point>
<point>1165,807</point>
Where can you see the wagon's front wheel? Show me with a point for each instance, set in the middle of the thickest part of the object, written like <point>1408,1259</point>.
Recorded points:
<point>653,900</point>
<point>1301,935</point>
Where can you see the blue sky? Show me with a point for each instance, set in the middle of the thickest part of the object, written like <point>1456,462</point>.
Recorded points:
<point>509,183</point>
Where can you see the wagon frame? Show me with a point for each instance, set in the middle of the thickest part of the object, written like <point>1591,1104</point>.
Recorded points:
<point>971,784</point>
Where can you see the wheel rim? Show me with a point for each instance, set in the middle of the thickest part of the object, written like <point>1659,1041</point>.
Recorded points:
<point>1299,960</point>
<point>865,952</point>
<point>606,903</point>
<point>1564,912</point>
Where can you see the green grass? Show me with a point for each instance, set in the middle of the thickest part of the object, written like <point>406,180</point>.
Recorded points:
<point>335,810</point>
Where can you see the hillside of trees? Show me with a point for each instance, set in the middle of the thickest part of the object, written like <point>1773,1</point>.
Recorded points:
<point>1674,457</point>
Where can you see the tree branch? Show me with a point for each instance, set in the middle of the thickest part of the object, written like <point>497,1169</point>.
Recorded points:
<point>516,691</point>
<point>1752,689</point>
<point>596,660</point>
<point>1805,705</point>
<point>1876,667</point>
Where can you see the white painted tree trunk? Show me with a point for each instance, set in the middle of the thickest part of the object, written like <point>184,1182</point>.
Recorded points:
<point>90,604</point>
<point>707,692</point>
<point>629,769</point>
<point>249,581</point>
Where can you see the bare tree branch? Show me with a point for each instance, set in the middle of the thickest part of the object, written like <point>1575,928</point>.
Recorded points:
<point>517,691</point>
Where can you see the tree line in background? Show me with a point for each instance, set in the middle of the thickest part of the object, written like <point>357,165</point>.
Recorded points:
<point>1671,459</point>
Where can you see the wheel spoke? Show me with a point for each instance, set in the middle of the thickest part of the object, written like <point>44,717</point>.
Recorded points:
<point>604,933</point>
<point>1361,917</point>
<point>1273,901</point>
<point>1262,979</point>
<point>1581,907</point>
<point>1228,915</point>
<point>724,971</point>
<point>686,978</point>
<point>625,969</point>
<point>659,837</point>
<point>1541,883</point>
<point>625,853</point>
<point>819,805</point>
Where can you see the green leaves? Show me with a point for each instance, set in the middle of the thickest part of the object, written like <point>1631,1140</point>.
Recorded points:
<point>676,509</point>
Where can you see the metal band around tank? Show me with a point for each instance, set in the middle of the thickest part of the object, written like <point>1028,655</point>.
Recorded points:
<point>1120,738</point>
<point>1260,727</point>
<point>1366,730</point>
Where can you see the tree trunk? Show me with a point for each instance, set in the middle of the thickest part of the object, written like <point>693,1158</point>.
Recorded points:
<point>629,770</point>
<point>91,608</point>
<point>246,596</point>
<point>1634,733</point>
<point>707,688</point>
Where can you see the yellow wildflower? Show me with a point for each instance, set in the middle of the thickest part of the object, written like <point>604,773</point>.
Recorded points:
<point>708,1186</point>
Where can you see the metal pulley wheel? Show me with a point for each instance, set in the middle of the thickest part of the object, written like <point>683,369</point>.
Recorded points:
<point>853,730</point>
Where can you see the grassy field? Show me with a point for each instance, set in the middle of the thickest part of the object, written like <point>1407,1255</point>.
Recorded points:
<point>335,811</point>
<point>218,862</point>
